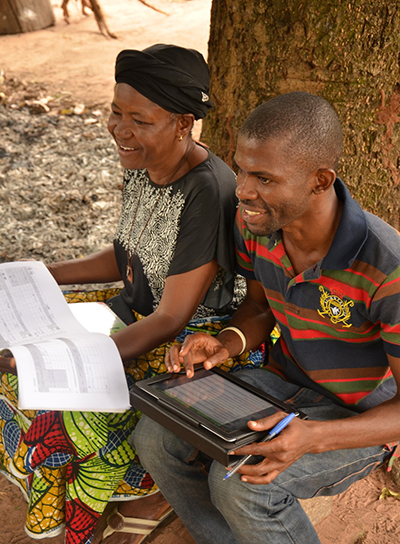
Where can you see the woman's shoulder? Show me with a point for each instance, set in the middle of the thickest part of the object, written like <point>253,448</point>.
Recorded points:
<point>215,172</point>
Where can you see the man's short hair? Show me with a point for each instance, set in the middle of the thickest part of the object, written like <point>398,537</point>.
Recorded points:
<point>309,123</point>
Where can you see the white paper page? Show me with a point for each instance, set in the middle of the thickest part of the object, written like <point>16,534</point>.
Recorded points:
<point>74,373</point>
<point>32,305</point>
<point>96,317</point>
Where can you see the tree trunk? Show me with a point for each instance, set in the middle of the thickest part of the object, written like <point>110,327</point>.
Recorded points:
<point>19,16</point>
<point>347,52</point>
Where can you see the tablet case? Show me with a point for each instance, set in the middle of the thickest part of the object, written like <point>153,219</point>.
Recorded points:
<point>215,447</point>
<point>182,425</point>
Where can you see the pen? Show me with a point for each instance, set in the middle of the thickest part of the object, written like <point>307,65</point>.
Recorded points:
<point>273,432</point>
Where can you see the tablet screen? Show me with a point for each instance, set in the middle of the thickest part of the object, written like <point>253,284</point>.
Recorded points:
<point>215,398</point>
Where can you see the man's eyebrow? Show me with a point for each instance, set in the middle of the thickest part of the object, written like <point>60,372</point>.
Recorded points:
<point>256,173</point>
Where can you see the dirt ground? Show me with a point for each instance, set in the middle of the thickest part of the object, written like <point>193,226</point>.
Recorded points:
<point>76,61</point>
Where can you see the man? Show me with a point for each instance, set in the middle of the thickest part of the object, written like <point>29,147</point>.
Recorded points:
<point>329,274</point>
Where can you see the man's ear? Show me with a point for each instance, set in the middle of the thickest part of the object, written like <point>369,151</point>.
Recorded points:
<point>185,123</point>
<point>324,179</point>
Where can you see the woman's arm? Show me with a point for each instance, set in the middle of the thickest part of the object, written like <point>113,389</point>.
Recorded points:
<point>7,362</point>
<point>181,296</point>
<point>101,267</point>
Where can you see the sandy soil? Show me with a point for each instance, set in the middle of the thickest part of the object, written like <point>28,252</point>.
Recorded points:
<point>77,61</point>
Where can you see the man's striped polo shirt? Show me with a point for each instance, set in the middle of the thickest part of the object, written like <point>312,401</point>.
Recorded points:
<point>339,318</point>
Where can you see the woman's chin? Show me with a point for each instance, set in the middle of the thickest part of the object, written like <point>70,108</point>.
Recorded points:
<point>130,160</point>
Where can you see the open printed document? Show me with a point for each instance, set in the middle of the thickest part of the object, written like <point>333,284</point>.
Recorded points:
<point>61,363</point>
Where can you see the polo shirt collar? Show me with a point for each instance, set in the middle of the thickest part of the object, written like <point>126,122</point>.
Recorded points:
<point>351,233</point>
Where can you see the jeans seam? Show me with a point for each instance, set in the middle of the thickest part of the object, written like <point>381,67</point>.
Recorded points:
<point>376,463</point>
<point>373,461</point>
<point>192,460</point>
<point>292,400</point>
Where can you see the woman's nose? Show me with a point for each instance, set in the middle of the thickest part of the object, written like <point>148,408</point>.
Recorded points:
<point>123,129</point>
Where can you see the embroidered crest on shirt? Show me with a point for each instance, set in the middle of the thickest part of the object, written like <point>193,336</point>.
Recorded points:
<point>335,307</point>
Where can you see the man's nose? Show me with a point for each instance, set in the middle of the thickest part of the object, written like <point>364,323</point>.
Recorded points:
<point>246,187</point>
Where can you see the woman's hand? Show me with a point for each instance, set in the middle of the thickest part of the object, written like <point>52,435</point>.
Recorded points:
<point>196,348</point>
<point>7,364</point>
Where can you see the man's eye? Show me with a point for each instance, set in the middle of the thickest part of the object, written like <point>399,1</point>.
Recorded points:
<point>264,181</point>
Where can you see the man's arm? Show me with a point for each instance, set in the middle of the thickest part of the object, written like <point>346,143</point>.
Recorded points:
<point>254,318</point>
<point>374,427</point>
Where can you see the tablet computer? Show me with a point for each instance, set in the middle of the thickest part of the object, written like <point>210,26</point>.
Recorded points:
<point>214,400</point>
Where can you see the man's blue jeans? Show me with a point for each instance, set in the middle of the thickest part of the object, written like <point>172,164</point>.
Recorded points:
<point>217,511</point>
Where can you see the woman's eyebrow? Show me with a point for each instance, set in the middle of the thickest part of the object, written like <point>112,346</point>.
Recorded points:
<point>137,113</point>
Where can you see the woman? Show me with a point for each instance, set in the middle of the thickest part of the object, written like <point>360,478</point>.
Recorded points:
<point>173,251</point>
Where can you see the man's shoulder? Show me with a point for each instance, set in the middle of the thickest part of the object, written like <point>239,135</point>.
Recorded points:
<point>382,234</point>
<point>382,245</point>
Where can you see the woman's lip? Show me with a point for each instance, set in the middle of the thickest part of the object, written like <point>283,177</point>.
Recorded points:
<point>126,148</point>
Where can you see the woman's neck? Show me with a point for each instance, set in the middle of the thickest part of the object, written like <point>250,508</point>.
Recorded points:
<point>192,155</point>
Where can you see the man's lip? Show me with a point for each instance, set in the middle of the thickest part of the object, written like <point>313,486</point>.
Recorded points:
<point>251,212</point>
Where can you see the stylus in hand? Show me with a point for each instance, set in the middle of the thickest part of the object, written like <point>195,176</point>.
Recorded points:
<point>273,432</point>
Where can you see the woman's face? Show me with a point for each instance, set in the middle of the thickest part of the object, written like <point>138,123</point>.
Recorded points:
<point>144,132</point>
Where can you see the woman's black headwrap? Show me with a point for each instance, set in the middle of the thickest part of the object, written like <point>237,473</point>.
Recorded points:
<point>175,78</point>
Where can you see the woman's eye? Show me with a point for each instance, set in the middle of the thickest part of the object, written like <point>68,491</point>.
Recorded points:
<point>139,122</point>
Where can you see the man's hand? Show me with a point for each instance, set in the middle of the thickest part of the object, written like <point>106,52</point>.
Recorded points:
<point>196,348</point>
<point>279,453</point>
<point>7,364</point>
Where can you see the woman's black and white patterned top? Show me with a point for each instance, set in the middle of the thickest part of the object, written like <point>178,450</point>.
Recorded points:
<point>191,225</point>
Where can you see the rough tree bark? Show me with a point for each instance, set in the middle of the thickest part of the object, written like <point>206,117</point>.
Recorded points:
<point>18,16</point>
<point>347,52</point>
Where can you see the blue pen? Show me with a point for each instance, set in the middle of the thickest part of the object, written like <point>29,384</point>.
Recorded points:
<point>273,432</point>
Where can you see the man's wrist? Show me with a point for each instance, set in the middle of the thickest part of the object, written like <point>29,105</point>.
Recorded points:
<point>238,334</point>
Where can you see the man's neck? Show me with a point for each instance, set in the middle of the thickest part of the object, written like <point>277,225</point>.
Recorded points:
<point>308,243</point>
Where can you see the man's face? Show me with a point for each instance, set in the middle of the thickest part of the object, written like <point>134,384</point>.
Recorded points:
<point>274,190</point>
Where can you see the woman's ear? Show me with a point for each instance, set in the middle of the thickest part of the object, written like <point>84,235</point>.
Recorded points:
<point>324,179</point>
<point>185,124</point>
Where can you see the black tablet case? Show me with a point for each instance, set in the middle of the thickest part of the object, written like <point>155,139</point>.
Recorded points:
<point>209,443</point>
<point>179,423</point>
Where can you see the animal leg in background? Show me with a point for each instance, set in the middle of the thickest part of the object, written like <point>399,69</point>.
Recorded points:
<point>98,13</point>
